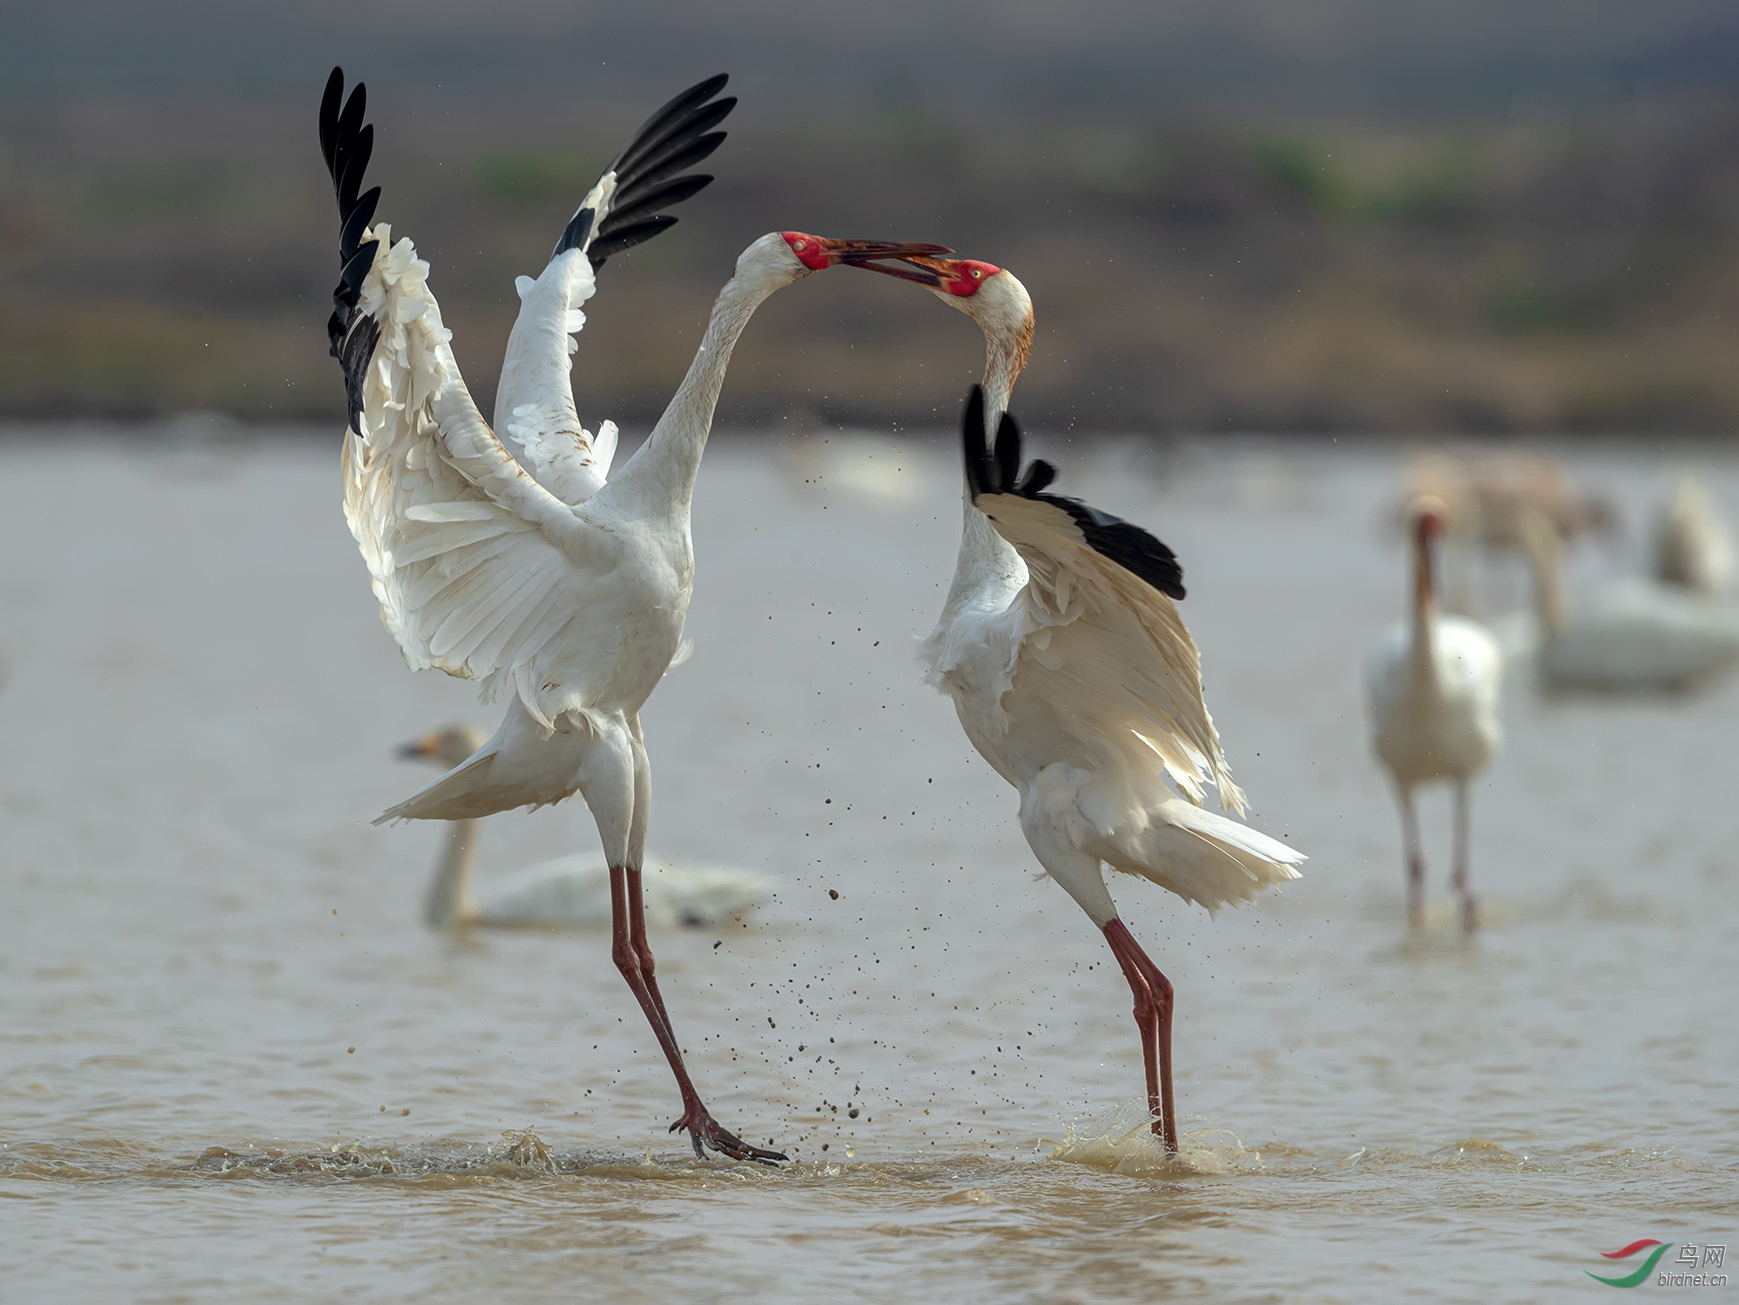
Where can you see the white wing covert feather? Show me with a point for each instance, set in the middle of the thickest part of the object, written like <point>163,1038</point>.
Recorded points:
<point>1110,651</point>
<point>1092,637</point>
<point>534,402</point>
<point>476,565</point>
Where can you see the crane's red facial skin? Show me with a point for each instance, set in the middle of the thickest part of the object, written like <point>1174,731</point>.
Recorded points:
<point>811,250</point>
<point>1429,524</point>
<point>961,277</point>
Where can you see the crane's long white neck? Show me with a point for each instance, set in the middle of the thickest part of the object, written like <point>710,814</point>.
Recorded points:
<point>664,468</point>
<point>1423,666</point>
<point>1546,559</point>
<point>450,901</point>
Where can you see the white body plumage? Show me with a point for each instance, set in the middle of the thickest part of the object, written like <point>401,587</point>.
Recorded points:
<point>1077,681</point>
<point>1434,699</point>
<point>1075,684</point>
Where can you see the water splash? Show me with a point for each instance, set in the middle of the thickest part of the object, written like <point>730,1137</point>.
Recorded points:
<point>1122,1141</point>
<point>520,1153</point>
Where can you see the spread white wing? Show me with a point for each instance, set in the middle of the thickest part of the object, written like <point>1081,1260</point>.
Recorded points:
<point>477,565</point>
<point>534,403</point>
<point>1096,639</point>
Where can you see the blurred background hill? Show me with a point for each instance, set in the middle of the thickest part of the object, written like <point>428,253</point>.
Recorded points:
<point>1337,215</point>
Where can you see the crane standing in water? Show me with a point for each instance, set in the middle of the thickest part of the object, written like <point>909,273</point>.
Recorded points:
<point>1073,675</point>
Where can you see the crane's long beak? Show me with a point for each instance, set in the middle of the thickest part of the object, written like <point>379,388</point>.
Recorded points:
<point>851,251</point>
<point>914,266</point>
<point>861,253</point>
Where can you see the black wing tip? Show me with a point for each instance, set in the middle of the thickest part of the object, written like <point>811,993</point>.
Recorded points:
<point>574,234</point>
<point>997,471</point>
<point>624,238</point>
<point>993,468</point>
<point>347,143</point>
<point>1135,550</point>
<point>1039,473</point>
<point>677,136</point>
<point>670,116</point>
<point>1007,454</point>
<point>972,447</point>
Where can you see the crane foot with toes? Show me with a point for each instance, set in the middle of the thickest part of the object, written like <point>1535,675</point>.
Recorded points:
<point>704,1130</point>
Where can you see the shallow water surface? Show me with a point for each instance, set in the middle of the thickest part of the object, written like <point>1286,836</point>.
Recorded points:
<point>233,1061</point>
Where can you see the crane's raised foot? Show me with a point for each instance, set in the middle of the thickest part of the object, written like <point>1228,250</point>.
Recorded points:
<point>704,1130</point>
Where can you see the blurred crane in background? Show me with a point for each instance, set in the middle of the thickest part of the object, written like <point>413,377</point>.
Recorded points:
<point>1433,683</point>
<point>570,892</point>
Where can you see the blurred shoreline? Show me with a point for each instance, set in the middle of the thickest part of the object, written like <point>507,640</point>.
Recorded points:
<point>1329,245</point>
<point>1202,273</point>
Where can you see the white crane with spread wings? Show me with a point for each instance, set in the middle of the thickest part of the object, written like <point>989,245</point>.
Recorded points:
<point>510,558</point>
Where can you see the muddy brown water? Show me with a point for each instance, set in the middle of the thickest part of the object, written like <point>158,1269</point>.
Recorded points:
<point>234,1063</point>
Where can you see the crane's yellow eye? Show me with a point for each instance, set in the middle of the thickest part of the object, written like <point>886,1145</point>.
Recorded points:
<point>978,274</point>
<point>797,245</point>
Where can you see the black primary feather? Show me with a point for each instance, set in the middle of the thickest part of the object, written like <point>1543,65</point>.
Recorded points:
<point>350,234</point>
<point>978,469</point>
<point>347,144</point>
<point>627,237</point>
<point>354,355</point>
<point>678,136</point>
<point>679,106</point>
<point>655,197</point>
<point>574,235</point>
<point>1120,541</point>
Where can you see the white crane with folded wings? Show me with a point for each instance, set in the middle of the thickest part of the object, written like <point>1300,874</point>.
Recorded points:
<point>514,561</point>
<point>1073,675</point>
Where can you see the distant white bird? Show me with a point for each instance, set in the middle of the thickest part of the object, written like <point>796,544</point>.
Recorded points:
<point>1631,635</point>
<point>513,562</point>
<point>1434,683</point>
<point>570,892</point>
<point>1693,547</point>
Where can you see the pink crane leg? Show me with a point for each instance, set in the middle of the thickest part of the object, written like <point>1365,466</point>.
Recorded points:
<point>1462,883</point>
<point>633,956</point>
<point>1153,1004</point>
